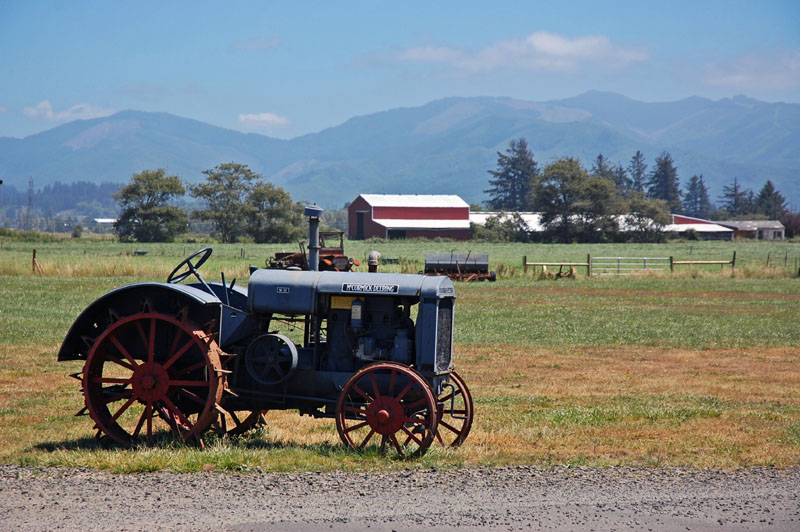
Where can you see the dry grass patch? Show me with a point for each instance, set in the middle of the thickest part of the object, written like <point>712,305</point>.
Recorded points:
<point>711,408</point>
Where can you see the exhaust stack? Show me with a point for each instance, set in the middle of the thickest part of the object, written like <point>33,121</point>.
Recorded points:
<point>313,212</point>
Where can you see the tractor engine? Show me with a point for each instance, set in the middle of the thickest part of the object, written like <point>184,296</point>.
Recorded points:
<point>352,319</point>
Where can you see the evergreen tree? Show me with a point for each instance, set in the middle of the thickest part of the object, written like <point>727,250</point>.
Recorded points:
<point>602,168</point>
<point>770,202</point>
<point>735,199</point>
<point>663,183</point>
<point>637,170</point>
<point>695,200</point>
<point>750,203</point>
<point>623,182</point>
<point>513,180</point>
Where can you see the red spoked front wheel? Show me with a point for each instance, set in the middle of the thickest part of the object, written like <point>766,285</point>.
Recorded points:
<point>455,412</point>
<point>151,371</point>
<point>389,405</point>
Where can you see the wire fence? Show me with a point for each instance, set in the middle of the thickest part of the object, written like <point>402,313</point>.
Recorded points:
<point>622,265</point>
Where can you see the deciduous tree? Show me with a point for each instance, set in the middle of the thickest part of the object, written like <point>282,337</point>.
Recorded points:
<point>501,228</point>
<point>276,218</point>
<point>645,218</point>
<point>147,214</point>
<point>575,206</point>
<point>225,193</point>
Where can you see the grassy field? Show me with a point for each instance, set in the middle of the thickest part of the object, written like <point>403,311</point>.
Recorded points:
<point>701,368</point>
<point>108,258</point>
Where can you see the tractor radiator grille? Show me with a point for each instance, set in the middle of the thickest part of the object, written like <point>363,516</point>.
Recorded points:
<point>444,336</point>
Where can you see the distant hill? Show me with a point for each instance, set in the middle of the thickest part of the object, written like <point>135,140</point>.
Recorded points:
<point>445,146</point>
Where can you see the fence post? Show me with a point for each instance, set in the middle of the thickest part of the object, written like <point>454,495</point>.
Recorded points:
<point>588,264</point>
<point>525,264</point>
<point>35,264</point>
<point>671,264</point>
<point>733,261</point>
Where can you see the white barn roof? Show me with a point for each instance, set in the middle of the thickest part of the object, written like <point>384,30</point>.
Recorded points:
<point>414,200</point>
<point>422,224</point>
<point>698,228</point>
<point>752,225</point>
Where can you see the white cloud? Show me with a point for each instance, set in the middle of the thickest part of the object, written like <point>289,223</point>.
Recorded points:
<point>44,110</point>
<point>266,121</point>
<point>757,71</point>
<point>256,44</point>
<point>539,51</point>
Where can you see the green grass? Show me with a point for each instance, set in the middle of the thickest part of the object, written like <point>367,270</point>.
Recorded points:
<point>698,370</point>
<point>15,257</point>
<point>663,312</point>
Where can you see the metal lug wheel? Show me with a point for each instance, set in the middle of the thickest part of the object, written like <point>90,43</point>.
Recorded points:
<point>455,412</point>
<point>151,371</point>
<point>232,423</point>
<point>390,405</point>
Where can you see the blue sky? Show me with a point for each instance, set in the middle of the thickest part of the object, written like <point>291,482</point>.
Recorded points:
<point>286,69</point>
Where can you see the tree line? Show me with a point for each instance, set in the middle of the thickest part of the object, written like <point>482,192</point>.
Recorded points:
<point>39,209</point>
<point>610,202</point>
<point>236,202</point>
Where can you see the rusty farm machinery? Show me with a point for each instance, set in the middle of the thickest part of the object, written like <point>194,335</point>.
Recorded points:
<point>460,266</point>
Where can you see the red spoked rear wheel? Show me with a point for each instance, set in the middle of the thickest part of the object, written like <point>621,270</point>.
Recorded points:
<point>149,372</point>
<point>389,405</point>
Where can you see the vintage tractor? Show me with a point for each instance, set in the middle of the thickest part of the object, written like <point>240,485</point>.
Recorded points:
<point>374,351</point>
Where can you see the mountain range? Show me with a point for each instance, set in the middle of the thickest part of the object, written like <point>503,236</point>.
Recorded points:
<point>443,147</point>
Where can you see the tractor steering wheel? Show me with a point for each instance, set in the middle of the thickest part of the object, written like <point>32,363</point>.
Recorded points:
<point>176,277</point>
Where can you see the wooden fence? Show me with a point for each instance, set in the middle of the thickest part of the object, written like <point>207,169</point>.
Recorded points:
<point>544,265</point>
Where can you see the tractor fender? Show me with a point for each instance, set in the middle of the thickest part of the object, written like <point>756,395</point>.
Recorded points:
<point>172,299</point>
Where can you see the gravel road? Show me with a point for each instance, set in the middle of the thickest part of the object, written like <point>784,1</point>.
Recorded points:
<point>513,498</point>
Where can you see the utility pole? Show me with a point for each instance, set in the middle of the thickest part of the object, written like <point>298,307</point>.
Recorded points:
<point>29,217</point>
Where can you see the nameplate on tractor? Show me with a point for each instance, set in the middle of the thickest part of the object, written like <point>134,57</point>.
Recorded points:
<point>369,288</point>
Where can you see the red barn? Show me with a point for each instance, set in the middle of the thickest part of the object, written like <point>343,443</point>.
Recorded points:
<point>408,216</point>
<point>705,229</point>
